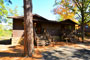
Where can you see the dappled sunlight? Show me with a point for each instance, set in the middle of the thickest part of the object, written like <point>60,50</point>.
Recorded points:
<point>9,52</point>
<point>61,50</point>
<point>66,52</point>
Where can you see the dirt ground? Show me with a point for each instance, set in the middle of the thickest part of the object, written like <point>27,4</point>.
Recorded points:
<point>60,51</point>
<point>8,52</point>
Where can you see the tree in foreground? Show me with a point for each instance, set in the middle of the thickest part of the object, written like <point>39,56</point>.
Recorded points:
<point>28,28</point>
<point>28,24</point>
<point>80,7</point>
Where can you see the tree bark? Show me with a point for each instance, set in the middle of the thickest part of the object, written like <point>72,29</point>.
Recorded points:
<point>28,27</point>
<point>82,25</point>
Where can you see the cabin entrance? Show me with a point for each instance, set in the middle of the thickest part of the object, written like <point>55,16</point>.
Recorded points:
<point>41,36</point>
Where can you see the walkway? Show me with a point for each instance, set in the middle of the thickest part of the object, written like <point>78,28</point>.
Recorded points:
<point>66,53</point>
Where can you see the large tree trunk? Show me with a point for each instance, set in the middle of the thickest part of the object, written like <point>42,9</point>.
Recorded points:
<point>28,27</point>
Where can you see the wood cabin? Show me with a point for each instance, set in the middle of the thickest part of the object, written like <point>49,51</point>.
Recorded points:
<point>42,27</point>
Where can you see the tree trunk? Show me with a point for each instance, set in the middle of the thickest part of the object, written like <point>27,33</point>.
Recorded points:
<point>82,26</point>
<point>28,27</point>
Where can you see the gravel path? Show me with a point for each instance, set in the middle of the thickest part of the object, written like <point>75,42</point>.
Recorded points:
<point>66,53</point>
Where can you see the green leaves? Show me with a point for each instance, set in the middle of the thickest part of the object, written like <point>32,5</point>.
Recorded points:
<point>76,7</point>
<point>13,12</point>
<point>3,11</point>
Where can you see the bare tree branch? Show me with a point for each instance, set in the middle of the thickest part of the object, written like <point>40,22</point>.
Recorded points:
<point>77,4</point>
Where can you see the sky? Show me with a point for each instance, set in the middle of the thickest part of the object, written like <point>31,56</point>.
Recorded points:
<point>42,7</point>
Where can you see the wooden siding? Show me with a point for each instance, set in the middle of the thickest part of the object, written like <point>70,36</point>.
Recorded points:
<point>18,24</point>
<point>18,28</point>
<point>54,29</point>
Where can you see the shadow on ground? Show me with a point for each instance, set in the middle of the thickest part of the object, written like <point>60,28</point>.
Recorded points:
<point>82,53</point>
<point>87,43</point>
<point>67,53</point>
<point>6,41</point>
<point>12,51</point>
<point>7,54</point>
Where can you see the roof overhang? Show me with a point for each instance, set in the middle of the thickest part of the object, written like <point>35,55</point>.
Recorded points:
<point>68,20</point>
<point>16,17</point>
<point>22,17</point>
<point>44,19</point>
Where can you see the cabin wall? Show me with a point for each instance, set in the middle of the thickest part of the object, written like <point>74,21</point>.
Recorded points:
<point>68,26</point>
<point>18,31</point>
<point>53,29</point>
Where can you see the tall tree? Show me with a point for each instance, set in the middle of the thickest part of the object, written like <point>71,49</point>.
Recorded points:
<point>83,11</point>
<point>28,27</point>
<point>63,10</point>
<point>84,8</point>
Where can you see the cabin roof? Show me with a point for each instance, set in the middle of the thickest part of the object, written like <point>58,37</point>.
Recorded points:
<point>22,17</point>
<point>42,19</point>
<point>69,20</point>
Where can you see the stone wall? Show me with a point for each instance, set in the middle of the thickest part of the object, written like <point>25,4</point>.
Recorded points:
<point>17,36</point>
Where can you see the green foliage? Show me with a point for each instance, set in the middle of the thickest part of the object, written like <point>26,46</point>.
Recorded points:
<point>3,18</point>
<point>2,8</point>
<point>3,11</point>
<point>13,12</point>
<point>64,10</point>
<point>77,6</point>
<point>3,32</point>
<point>83,7</point>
